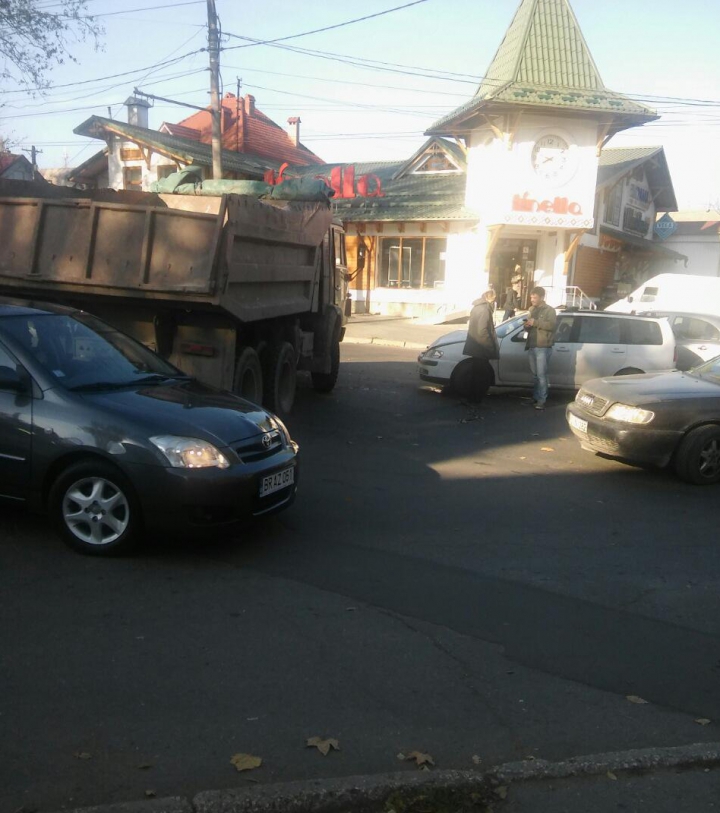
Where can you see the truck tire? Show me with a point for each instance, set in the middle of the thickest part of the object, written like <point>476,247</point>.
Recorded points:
<point>280,378</point>
<point>325,382</point>
<point>95,509</point>
<point>248,381</point>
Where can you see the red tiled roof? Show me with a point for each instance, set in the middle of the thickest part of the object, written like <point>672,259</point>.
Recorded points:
<point>179,130</point>
<point>246,129</point>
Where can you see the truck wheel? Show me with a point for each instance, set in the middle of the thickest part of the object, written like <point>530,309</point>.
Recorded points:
<point>95,509</point>
<point>325,382</point>
<point>248,382</point>
<point>697,459</point>
<point>280,378</point>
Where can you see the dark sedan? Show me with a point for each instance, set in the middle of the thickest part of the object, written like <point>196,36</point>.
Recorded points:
<point>657,418</point>
<point>112,440</point>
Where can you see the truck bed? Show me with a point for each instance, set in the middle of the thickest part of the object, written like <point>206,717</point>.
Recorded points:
<point>252,259</point>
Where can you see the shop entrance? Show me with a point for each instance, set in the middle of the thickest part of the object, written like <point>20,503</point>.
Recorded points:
<point>512,264</point>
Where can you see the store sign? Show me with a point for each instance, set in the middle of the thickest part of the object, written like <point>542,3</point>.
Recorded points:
<point>557,206</point>
<point>665,227</point>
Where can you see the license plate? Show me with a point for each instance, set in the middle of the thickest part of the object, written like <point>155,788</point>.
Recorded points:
<point>274,482</point>
<point>577,423</point>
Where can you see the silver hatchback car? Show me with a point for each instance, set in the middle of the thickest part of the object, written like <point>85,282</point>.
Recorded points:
<point>588,344</point>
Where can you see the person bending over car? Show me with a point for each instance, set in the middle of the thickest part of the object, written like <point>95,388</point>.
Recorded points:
<point>482,345</point>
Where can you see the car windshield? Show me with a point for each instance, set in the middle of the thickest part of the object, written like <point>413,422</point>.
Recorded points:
<point>82,352</point>
<point>710,371</point>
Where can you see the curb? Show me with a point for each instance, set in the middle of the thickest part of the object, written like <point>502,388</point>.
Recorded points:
<point>384,342</point>
<point>367,794</point>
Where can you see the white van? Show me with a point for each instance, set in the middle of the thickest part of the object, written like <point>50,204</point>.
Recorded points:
<point>688,293</point>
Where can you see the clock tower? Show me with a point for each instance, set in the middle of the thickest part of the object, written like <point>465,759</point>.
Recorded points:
<point>533,133</point>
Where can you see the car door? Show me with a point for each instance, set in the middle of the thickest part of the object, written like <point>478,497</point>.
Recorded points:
<point>599,349</point>
<point>513,367</point>
<point>697,340</point>
<point>15,435</point>
<point>561,371</point>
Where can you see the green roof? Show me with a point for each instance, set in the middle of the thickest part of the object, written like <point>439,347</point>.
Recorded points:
<point>181,149</point>
<point>544,62</point>
<point>409,197</point>
<point>617,162</point>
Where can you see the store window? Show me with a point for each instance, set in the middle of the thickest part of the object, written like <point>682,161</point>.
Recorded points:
<point>613,204</point>
<point>412,262</point>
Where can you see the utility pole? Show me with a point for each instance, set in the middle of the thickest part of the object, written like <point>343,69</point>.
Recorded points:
<point>214,51</point>
<point>33,156</point>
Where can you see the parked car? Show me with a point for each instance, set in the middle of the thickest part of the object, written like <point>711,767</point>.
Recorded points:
<point>697,336</point>
<point>588,344</point>
<point>112,440</point>
<point>658,418</point>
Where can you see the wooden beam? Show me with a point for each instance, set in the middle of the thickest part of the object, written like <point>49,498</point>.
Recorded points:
<point>513,128</point>
<point>603,137</point>
<point>401,228</point>
<point>423,227</point>
<point>497,132</point>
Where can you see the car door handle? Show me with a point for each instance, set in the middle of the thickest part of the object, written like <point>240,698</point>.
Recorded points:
<point>617,350</point>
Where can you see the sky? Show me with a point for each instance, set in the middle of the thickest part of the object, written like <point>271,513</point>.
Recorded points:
<point>367,90</point>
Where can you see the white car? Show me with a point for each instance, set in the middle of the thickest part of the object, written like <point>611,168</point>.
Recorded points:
<point>588,344</point>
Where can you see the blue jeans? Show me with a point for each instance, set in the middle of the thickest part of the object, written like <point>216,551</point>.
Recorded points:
<point>539,359</point>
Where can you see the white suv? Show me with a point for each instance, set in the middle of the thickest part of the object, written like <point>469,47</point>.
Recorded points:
<point>588,344</point>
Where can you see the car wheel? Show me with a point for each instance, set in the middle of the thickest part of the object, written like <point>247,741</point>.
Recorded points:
<point>630,371</point>
<point>95,509</point>
<point>248,376</point>
<point>462,378</point>
<point>280,378</point>
<point>697,459</point>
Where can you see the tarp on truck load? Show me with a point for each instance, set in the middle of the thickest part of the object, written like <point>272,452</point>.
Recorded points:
<point>190,182</point>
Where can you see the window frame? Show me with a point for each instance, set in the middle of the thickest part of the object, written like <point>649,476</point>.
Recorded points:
<point>400,239</point>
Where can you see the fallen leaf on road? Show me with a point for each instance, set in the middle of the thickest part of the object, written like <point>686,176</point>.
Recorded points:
<point>633,698</point>
<point>547,449</point>
<point>82,755</point>
<point>703,721</point>
<point>323,746</point>
<point>611,775</point>
<point>151,794</point>
<point>246,762</point>
<point>476,759</point>
<point>418,758</point>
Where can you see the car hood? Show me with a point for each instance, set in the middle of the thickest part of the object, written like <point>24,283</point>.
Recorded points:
<point>640,389</point>
<point>185,408</point>
<point>455,337</point>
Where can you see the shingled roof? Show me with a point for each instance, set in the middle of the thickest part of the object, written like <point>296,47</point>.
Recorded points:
<point>184,150</point>
<point>544,62</point>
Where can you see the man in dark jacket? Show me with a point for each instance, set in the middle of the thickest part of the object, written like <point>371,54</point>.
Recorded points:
<point>482,345</point>
<point>540,326</point>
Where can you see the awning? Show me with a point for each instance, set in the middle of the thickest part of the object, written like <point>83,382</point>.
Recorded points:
<point>650,246</point>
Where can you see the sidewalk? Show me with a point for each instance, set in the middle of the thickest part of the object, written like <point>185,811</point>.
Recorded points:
<point>395,331</point>
<point>661,780</point>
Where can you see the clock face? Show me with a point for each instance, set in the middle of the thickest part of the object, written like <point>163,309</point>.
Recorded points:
<point>553,160</point>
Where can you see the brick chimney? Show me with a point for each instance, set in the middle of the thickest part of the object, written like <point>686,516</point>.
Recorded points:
<point>249,105</point>
<point>294,129</point>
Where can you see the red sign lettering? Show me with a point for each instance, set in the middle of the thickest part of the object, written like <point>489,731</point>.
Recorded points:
<point>557,206</point>
<point>345,185</point>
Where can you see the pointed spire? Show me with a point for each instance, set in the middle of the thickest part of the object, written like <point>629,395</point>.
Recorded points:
<point>544,62</point>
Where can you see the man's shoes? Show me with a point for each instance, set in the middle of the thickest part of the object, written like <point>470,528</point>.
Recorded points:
<point>538,405</point>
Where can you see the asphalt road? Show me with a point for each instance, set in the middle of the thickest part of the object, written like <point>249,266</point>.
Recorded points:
<point>464,583</point>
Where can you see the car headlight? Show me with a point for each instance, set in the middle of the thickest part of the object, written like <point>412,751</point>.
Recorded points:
<point>433,353</point>
<point>629,414</point>
<point>280,426</point>
<point>190,453</point>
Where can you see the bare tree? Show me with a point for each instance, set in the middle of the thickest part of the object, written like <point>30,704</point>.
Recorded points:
<point>32,40</point>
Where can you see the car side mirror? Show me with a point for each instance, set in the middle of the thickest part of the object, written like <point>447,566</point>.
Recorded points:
<point>10,379</point>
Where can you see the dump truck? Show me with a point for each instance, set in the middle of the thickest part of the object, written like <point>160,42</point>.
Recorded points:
<point>236,291</point>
